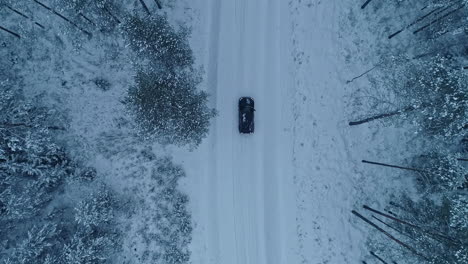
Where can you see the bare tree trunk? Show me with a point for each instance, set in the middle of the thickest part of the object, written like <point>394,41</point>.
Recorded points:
<point>377,257</point>
<point>16,11</point>
<point>39,25</point>
<point>391,166</point>
<point>23,15</point>
<point>158,4</point>
<point>389,216</point>
<point>412,250</point>
<point>10,32</point>
<point>372,118</point>
<point>391,227</point>
<point>64,18</point>
<point>438,51</point>
<point>112,15</point>
<point>87,19</point>
<point>413,23</point>
<point>365,4</point>
<point>145,7</point>
<point>430,233</point>
<point>369,119</point>
<point>438,19</point>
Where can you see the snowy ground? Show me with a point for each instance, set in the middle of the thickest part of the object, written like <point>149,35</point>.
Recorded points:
<point>283,194</point>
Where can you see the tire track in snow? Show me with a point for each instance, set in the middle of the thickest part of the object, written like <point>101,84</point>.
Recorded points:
<point>271,161</point>
<point>247,151</point>
<point>211,221</point>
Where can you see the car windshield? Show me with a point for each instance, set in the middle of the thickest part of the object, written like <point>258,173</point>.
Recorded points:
<point>247,108</point>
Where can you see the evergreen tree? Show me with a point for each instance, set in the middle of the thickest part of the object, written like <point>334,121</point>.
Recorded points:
<point>441,172</point>
<point>154,39</point>
<point>170,108</point>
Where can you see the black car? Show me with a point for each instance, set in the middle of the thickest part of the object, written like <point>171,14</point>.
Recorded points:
<point>246,115</point>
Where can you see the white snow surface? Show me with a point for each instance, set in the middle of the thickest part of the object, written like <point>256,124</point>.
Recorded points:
<point>281,195</point>
<point>285,193</point>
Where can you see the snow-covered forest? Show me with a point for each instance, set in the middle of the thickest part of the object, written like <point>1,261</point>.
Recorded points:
<point>86,88</point>
<point>119,140</point>
<point>416,82</point>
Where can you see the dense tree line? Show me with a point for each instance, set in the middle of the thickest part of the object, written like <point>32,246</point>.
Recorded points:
<point>162,55</point>
<point>54,209</point>
<point>423,86</point>
<point>165,99</point>
<point>36,173</point>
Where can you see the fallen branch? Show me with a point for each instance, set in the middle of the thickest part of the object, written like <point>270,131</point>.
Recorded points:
<point>357,77</point>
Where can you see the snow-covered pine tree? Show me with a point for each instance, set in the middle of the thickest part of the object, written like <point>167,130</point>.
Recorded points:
<point>170,108</point>
<point>96,231</point>
<point>37,246</point>
<point>442,172</point>
<point>157,41</point>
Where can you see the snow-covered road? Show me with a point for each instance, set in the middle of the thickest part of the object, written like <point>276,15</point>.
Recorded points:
<point>243,211</point>
<point>283,194</point>
<point>246,179</point>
